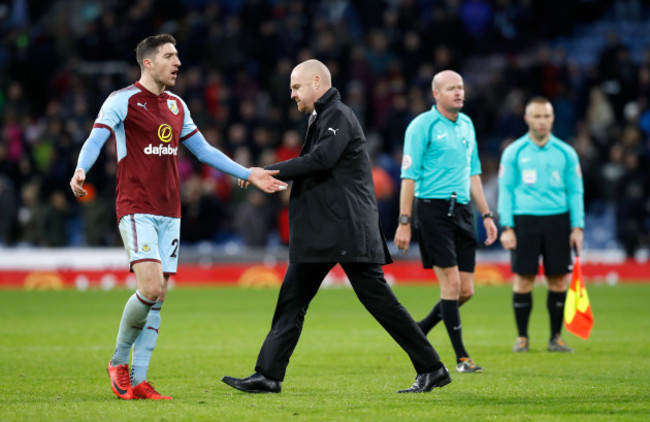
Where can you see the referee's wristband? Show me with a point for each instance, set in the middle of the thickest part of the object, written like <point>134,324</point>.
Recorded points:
<point>488,215</point>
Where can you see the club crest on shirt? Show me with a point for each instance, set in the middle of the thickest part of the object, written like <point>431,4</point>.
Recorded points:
<point>146,248</point>
<point>173,107</point>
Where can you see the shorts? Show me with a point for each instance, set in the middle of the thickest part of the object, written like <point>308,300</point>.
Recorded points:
<point>150,237</point>
<point>446,241</point>
<point>546,235</point>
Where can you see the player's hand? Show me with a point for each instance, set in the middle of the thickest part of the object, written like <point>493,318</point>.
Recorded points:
<point>509,239</point>
<point>576,238</point>
<point>403,237</point>
<point>264,180</point>
<point>490,231</point>
<point>76,183</point>
<point>244,184</point>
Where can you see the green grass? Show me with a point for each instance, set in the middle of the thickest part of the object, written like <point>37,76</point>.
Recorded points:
<point>54,347</point>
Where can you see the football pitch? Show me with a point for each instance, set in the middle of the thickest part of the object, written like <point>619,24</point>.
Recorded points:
<point>54,347</point>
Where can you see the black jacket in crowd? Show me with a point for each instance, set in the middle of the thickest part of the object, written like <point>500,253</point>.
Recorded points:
<point>333,213</point>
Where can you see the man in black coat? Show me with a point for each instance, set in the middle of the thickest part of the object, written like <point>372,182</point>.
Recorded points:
<point>333,219</point>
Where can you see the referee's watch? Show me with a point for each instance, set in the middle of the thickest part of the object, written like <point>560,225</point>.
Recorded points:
<point>488,215</point>
<point>404,219</point>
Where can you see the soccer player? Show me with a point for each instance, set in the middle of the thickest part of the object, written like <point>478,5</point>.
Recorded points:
<point>441,169</point>
<point>148,123</point>
<point>334,219</point>
<point>541,209</point>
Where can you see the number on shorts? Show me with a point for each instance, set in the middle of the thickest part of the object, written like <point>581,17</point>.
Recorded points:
<point>175,244</point>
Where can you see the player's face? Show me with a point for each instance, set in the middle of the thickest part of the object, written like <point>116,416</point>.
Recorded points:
<point>539,118</point>
<point>302,91</point>
<point>450,93</point>
<point>165,65</point>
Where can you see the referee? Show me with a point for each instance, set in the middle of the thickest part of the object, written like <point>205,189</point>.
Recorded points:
<point>541,210</point>
<point>442,171</point>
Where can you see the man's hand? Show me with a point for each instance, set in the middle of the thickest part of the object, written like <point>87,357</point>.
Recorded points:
<point>490,231</point>
<point>264,180</point>
<point>509,239</point>
<point>403,237</point>
<point>244,184</point>
<point>76,183</point>
<point>576,238</point>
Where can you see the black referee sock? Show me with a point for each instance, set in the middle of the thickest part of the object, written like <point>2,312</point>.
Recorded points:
<point>430,321</point>
<point>523,305</point>
<point>555,305</point>
<point>451,317</point>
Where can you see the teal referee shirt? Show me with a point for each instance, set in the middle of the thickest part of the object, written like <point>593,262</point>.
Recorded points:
<point>536,180</point>
<point>440,156</point>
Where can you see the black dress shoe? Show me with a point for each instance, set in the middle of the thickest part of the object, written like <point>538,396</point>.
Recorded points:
<point>429,380</point>
<point>256,383</point>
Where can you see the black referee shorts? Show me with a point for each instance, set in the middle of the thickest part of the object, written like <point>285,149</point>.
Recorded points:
<point>445,241</point>
<point>546,236</point>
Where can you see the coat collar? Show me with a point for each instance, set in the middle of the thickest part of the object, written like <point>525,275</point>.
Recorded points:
<point>330,95</point>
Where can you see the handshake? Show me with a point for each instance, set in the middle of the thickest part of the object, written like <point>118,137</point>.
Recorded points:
<point>264,180</point>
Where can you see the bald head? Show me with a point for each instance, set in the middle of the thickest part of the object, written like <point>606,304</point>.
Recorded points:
<point>445,77</point>
<point>315,69</point>
<point>309,81</point>
<point>449,93</point>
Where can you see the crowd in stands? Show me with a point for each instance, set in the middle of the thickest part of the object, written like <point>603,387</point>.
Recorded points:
<point>59,60</point>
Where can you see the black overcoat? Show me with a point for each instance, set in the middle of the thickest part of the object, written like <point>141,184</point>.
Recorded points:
<point>333,213</point>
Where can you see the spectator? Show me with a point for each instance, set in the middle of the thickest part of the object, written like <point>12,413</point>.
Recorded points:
<point>55,218</point>
<point>254,220</point>
<point>237,57</point>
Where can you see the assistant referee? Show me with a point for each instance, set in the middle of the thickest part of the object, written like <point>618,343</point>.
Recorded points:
<point>541,209</point>
<point>441,169</point>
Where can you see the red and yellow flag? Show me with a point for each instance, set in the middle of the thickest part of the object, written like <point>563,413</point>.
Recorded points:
<point>578,318</point>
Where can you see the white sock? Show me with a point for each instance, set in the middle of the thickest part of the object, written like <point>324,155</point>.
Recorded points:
<point>144,345</point>
<point>133,319</point>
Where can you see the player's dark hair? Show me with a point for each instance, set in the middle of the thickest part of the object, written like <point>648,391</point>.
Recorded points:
<point>538,100</point>
<point>149,46</point>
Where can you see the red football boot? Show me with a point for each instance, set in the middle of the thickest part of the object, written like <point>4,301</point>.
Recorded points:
<point>144,390</point>
<point>120,380</point>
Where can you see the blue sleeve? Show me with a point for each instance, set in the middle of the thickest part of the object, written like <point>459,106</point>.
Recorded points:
<point>188,124</point>
<point>92,147</point>
<point>114,109</point>
<point>575,190</point>
<point>415,139</point>
<point>506,197</point>
<point>208,154</point>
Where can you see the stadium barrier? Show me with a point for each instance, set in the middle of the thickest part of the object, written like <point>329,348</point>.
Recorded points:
<point>85,268</point>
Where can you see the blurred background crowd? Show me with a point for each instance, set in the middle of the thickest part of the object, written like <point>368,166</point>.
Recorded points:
<point>60,59</point>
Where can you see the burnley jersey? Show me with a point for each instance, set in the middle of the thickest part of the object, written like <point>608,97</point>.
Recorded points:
<point>147,129</point>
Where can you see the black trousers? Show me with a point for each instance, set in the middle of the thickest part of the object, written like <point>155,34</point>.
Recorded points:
<point>300,285</point>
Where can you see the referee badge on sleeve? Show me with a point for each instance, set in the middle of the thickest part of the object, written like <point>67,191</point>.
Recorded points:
<point>406,161</point>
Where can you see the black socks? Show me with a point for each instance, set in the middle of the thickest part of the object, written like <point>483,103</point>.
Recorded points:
<point>523,305</point>
<point>555,305</point>
<point>451,317</point>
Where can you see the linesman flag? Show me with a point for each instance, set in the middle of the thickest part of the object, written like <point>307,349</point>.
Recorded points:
<point>578,318</point>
